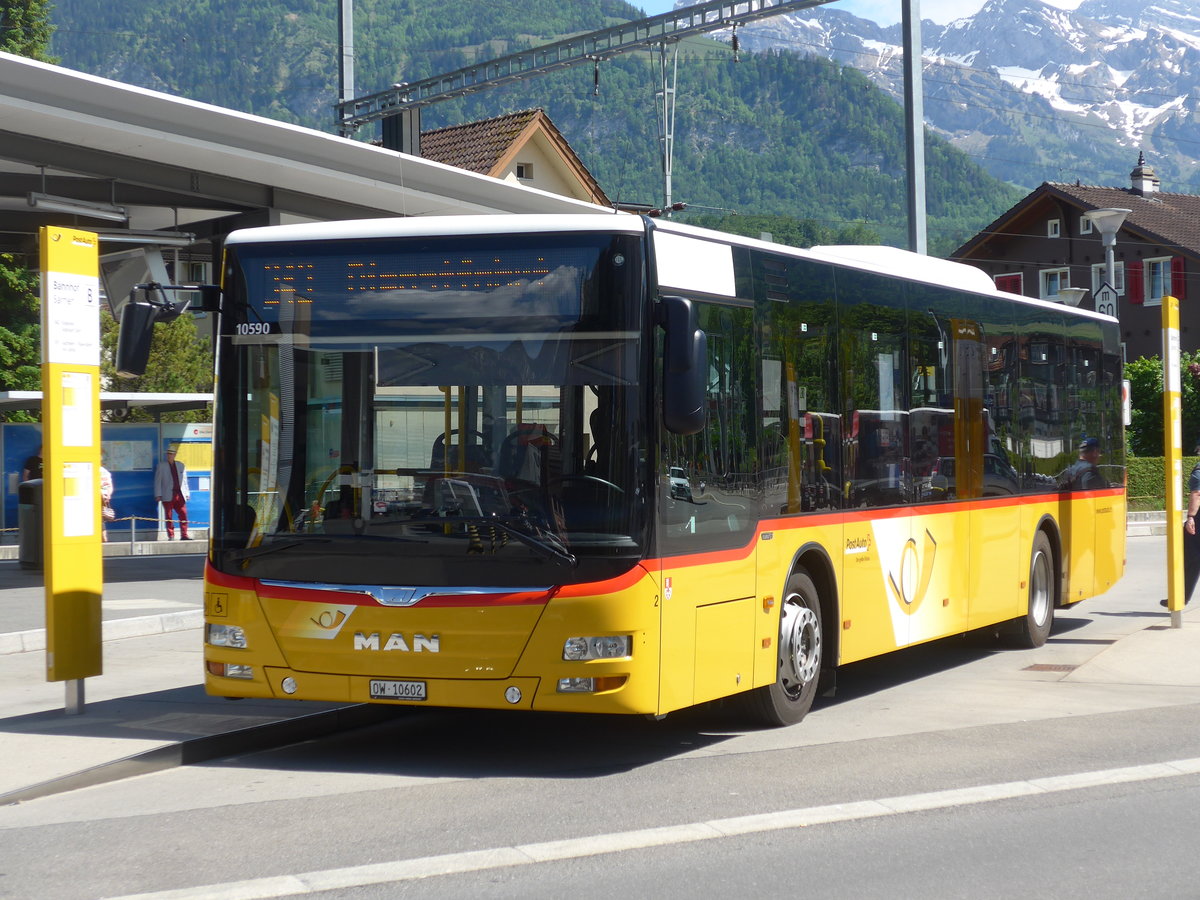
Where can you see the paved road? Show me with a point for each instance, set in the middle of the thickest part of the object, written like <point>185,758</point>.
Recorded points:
<point>956,769</point>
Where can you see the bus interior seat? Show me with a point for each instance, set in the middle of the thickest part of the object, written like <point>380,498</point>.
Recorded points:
<point>477,457</point>
<point>528,453</point>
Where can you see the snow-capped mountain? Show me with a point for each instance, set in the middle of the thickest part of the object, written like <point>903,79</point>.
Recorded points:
<point>1033,92</point>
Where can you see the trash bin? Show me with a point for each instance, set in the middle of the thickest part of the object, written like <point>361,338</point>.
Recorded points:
<point>29,523</point>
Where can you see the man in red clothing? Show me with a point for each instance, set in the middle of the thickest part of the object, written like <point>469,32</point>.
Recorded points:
<point>171,490</point>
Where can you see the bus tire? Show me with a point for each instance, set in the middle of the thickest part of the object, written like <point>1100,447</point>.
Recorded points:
<point>800,646</point>
<point>1034,627</point>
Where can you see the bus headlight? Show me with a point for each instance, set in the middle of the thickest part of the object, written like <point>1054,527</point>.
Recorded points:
<point>226,636</point>
<point>230,670</point>
<point>581,648</point>
<point>591,685</point>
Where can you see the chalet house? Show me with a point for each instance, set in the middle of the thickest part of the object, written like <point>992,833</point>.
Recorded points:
<point>1046,244</point>
<point>522,147</point>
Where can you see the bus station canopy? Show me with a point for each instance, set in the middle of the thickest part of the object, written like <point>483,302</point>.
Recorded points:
<point>14,401</point>
<point>184,166</point>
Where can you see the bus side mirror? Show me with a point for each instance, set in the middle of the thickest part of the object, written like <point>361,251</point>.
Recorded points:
<point>685,366</point>
<point>140,314</point>
<point>134,338</point>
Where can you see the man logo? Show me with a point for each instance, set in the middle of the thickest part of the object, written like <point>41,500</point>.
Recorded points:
<point>396,641</point>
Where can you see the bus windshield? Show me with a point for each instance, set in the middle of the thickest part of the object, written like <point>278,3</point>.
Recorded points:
<point>454,411</point>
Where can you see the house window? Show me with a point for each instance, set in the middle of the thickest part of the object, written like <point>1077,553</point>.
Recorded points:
<point>525,171</point>
<point>1053,228</point>
<point>1011,283</point>
<point>1085,225</point>
<point>1100,272</point>
<point>196,273</point>
<point>1156,276</point>
<point>1054,280</point>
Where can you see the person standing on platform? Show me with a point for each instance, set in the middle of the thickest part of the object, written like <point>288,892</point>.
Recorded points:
<point>32,467</point>
<point>106,509</point>
<point>171,490</point>
<point>1191,540</point>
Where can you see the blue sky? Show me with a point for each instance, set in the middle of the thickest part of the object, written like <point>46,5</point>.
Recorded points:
<point>885,12</point>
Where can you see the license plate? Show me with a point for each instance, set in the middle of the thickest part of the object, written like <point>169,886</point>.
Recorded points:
<point>397,690</point>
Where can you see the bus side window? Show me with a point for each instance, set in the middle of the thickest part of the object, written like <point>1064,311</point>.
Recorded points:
<point>875,381</point>
<point>801,424</point>
<point>708,486</point>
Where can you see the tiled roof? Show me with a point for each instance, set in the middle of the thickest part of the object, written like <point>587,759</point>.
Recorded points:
<point>477,146</point>
<point>488,146</point>
<point>1171,220</point>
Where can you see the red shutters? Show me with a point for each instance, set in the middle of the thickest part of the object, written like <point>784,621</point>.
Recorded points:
<point>1135,288</point>
<point>1009,283</point>
<point>1178,278</point>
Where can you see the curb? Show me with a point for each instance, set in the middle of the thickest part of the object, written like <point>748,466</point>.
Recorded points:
<point>1144,529</point>
<point>124,548</point>
<point>254,739</point>
<point>110,630</point>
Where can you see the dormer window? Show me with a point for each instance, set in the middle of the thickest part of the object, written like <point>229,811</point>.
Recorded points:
<point>1053,228</point>
<point>525,171</point>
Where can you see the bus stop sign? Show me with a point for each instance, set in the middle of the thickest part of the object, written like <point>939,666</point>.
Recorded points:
<point>1106,300</point>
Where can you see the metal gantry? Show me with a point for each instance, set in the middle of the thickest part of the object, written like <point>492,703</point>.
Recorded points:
<point>594,46</point>
<point>399,106</point>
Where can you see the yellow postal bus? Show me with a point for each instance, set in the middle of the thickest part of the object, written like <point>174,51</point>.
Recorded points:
<point>618,465</point>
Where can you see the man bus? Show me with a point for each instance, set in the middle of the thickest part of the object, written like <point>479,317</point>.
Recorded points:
<point>447,456</point>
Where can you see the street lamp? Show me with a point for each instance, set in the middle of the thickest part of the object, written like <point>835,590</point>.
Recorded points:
<point>1108,222</point>
<point>1071,296</point>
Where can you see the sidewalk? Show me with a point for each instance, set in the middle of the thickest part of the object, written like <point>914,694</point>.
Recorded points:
<point>148,711</point>
<point>121,545</point>
<point>1139,524</point>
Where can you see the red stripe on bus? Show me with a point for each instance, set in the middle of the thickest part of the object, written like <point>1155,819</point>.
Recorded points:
<point>222,579</point>
<point>609,586</point>
<point>357,598</point>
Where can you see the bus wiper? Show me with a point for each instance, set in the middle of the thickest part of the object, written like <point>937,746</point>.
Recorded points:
<point>252,552</point>
<point>544,543</point>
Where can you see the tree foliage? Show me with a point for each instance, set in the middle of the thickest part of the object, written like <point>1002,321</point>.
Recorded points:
<point>180,363</point>
<point>20,332</point>
<point>1145,376</point>
<point>25,28</point>
<point>775,134</point>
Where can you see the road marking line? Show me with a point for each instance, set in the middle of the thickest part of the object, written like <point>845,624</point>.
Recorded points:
<point>623,841</point>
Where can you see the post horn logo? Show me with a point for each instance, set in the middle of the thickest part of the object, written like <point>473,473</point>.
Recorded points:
<point>329,619</point>
<point>916,571</point>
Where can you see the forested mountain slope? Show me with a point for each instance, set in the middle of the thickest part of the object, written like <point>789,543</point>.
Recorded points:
<point>771,134</point>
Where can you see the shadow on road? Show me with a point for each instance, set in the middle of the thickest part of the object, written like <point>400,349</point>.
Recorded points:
<point>447,743</point>
<point>117,569</point>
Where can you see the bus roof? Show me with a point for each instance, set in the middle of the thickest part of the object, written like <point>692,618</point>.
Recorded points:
<point>891,261</point>
<point>419,226</point>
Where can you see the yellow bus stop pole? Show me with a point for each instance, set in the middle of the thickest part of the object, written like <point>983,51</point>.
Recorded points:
<point>71,452</point>
<point>1173,458</point>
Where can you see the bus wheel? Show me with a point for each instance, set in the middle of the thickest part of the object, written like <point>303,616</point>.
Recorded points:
<point>789,699</point>
<point>1034,627</point>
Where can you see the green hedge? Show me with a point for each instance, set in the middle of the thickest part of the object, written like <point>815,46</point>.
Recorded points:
<point>1145,489</point>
